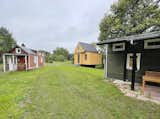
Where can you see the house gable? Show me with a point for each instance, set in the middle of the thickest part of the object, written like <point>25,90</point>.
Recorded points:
<point>22,50</point>
<point>17,50</point>
<point>79,49</point>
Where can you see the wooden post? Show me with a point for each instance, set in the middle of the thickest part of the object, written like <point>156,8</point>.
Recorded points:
<point>16,62</point>
<point>37,61</point>
<point>4,63</point>
<point>78,58</point>
<point>26,62</point>
<point>13,62</point>
<point>143,86</point>
<point>125,62</point>
<point>133,67</point>
<point>105,67</point>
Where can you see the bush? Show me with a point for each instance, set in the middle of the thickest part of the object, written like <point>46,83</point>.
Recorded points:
<point>49,59</point>
<point>60,58</point>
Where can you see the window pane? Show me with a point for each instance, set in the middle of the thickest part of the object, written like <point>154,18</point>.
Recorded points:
<point>154,43</point>
<point>85,56</point>
<point>131,62</point>
<point>119,46</point>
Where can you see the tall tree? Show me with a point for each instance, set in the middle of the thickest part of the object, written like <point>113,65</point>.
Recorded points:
<point>6,41</point>
<point>60,54</point>
<point>129,17</point>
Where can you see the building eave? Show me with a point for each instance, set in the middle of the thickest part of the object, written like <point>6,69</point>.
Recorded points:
<point>10,54</point>
<point>144,36</point>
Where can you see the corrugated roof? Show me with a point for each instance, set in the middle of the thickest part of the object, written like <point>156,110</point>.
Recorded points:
<point>143,36</point>
<point>88,47</point>
<point>27,50</point>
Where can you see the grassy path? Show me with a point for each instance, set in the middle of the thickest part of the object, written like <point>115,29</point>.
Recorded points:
<point>63,91</point>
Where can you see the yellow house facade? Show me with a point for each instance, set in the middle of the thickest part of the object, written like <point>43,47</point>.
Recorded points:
<point>86,54</point>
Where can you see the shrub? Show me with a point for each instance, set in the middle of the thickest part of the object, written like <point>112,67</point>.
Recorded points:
<point>60,58</point>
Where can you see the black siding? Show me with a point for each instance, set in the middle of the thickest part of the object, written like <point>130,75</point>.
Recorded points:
<point>115,64</point>
<point>150,61</point>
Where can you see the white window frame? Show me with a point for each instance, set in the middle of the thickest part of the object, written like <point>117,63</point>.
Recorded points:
<point>18,50</point>
<point>118,49</point>
<point>138,61</point>
<point>146,46</point>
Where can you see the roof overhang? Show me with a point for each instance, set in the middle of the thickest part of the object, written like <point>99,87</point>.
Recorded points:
<point>25,50</point>
<point>144,36</point>
<point>13,54</point>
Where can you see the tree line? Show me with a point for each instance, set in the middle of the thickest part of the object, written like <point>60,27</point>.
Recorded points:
<point>130,17</point>
<point>59,54</point>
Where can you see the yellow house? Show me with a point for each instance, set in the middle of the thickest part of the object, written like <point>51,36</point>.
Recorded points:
<point>86,54</point>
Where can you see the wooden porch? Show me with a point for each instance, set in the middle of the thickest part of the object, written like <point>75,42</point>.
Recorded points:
<point>151,93</point>
<point>13,62</point>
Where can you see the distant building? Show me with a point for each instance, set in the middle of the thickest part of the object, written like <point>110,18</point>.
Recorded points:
<point>22,58</point>
<point>86,54</point>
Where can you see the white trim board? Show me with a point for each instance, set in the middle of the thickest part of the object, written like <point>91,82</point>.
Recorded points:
<point>106,62</point>
<point>138,61</point>
<point>18,50</point>
<point>147,46</point>
<point>118,49</point>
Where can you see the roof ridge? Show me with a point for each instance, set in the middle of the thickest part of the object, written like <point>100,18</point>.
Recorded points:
<point>88,47</point>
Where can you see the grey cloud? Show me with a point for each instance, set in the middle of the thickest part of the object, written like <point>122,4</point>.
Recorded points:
<point>46,24</point>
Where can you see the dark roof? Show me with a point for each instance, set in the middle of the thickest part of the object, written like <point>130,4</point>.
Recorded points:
<point>27,50</point>
<point>143,36</point>
<point>88,47</point>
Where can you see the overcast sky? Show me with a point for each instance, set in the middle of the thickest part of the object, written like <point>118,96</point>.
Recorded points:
<point>47,24</point>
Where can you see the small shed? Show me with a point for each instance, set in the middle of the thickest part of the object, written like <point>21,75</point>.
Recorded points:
<point>128,58</point>
<point>87,54</point>
<point>22,58</point>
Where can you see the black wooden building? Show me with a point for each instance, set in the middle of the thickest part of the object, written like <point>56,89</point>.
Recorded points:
<point>127,58</point>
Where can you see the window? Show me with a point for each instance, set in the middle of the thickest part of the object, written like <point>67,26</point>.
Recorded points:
<point>118,47</point>
<point>130,61</point>
<point>18,50</point>
<point>152,44</point>
<point>85,56</point>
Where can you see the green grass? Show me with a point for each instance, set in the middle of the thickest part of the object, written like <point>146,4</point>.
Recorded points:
<point>63,91</point>
<point>1,67</point>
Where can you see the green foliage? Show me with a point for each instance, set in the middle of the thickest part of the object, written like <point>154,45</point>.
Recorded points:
<point>60,54</point>
<point>71,58</point>
<point>7,42</point>
<point>129,17</point>
<point>60,58</point>
<point>49,58</point>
